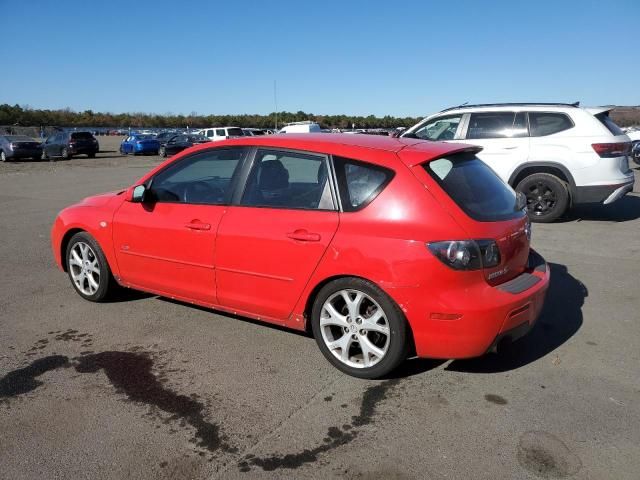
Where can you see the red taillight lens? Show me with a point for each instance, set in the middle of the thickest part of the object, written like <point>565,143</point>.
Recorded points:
<point>467,254</point>
<point>610,150</point>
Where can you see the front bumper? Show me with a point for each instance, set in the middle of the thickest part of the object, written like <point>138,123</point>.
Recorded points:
<point>24,153</point>
<point>485,314</point>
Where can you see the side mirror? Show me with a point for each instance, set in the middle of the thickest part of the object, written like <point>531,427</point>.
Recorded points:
<point>139,193</point>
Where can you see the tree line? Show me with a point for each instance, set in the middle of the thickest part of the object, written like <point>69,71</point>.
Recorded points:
<point>26,116</point>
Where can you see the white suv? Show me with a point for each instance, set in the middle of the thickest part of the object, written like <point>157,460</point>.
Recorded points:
<point>558,155</point>
<point>216,134</point>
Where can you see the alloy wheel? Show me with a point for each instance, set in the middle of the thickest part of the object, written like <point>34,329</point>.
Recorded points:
<point>355,328</point>
<point>541,198</point>
<point>84,268</point>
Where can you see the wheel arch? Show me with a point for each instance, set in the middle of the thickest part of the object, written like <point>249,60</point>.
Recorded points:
<point>552,168</point>
<point>64,243</point>
<point>310,300</point>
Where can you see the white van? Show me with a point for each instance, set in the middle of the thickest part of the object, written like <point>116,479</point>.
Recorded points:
<point>301,127</point>
<point>216,134</point>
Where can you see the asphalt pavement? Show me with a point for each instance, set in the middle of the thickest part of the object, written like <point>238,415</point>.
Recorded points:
<point>144,387</point>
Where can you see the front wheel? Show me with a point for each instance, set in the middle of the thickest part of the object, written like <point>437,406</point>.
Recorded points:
<point>162,152</point>
<point>88,268</point>
<point>3,156</point>
<point>359,328</point>
<point>547,197</point>
<point>91,155</point>
<point>65,154</point>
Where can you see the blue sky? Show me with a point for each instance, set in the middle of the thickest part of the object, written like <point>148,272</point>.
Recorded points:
<point>328,57</point>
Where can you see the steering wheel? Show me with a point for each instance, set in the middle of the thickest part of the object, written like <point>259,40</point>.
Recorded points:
<point>201,191</point>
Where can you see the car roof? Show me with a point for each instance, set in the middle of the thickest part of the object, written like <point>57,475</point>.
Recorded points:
<point>414,151</point>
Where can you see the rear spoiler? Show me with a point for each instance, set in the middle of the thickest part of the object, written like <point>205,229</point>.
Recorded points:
<point>598,110</point>
<point>427,151</point>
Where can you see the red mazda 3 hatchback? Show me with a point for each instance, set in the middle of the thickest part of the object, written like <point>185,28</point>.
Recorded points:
<point>381,247</point>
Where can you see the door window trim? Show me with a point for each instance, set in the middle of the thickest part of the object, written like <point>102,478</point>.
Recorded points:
<point>248,168</point>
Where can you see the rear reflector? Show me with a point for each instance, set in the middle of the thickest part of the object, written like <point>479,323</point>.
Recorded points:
<point>609,150</point>
<point>445,316</point>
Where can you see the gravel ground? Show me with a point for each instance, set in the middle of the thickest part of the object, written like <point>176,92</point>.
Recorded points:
<point>144,387</point>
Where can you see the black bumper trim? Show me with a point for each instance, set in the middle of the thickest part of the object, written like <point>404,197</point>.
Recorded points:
<point>519,284</point>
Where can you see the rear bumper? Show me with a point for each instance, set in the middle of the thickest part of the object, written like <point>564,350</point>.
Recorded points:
<point>83,150</point>
<point>485,315</point>
<point>604,193</point>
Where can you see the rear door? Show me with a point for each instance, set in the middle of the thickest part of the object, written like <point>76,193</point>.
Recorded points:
<point>504,138</point>
<point>271,242</point>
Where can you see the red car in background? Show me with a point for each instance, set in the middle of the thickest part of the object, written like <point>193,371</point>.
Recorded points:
<point>382,247</point>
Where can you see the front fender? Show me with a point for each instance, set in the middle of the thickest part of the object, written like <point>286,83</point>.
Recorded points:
<point>96,221</point>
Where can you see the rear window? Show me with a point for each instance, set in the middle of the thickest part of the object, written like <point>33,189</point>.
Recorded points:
<point>81,136</point>
<point>475,188</point>
<point>235,132</point>
<point>360,182</point>
<point>605,119</point>
<point>547,123</point>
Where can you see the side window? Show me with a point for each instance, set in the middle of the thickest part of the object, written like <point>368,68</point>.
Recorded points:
<point>546,123</point>
<point>209,133</point>
<point>494,125</point>
<point>441,128</point>
<point>359,182</point>
<point>203,178</point>
<point>220,132</point>
<point>285,179</point>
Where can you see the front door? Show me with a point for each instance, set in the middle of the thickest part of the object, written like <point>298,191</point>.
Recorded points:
<point>167,243</point>
<point>269,245</point>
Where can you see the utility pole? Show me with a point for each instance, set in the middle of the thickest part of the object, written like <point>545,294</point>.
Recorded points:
<point>275,101</point>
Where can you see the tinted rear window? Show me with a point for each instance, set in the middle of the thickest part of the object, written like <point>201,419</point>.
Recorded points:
<point>81,136</point>
<point>605,119</point>
<point>547,123</point>
<point>235,132</point>
<point>477,190</point>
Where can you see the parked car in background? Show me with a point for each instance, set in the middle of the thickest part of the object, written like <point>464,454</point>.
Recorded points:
<point>164,137</point>
<point>215,134</point>
<point>15,147</point>
<point>635,152</point>
<point>68,144</point>
<point>381,247</point>
<point>558,155</point>
<point>140,144</point>
<point>181,142</point>
<point>301,127</point>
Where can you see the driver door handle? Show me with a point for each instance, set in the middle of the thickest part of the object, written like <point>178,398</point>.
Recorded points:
<point>304,236</point>
<point>197,225</point>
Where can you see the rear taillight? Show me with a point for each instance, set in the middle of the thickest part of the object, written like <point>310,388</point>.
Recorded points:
<point>466,254</point>
<point>610,150</point>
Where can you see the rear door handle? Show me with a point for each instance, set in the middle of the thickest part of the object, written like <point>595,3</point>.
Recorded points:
<point>304,236</point>
<point>198,226</point>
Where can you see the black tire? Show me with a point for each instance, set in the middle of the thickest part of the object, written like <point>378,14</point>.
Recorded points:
<point>398,345</point>
<point>106,282</point>
<point>547,197</point>
<point>91,155</point>
<point>3,156</point>
<point>65,154</point>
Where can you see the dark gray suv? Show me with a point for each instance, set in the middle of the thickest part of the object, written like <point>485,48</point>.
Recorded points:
<point>14,147</point>
<point>68,144</point>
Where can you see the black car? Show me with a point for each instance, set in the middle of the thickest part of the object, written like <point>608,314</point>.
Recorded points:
<point>164,137</point>
<point>178,143</point>
<point>19,146</point>
<point>68,144</point>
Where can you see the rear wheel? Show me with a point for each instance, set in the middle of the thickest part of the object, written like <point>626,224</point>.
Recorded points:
<point>44,156</point>
<point>3,156</point>
<point>547,197</point>
<point>88,268</point>
<point>162,152</point>
<point>91,155</point>
<point>65,154</point>
<point>359,328</point>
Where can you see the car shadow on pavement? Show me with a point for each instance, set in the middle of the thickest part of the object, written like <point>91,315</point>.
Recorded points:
<point>560,319</point>
<point>127,295</point>
<point>624,210</point>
